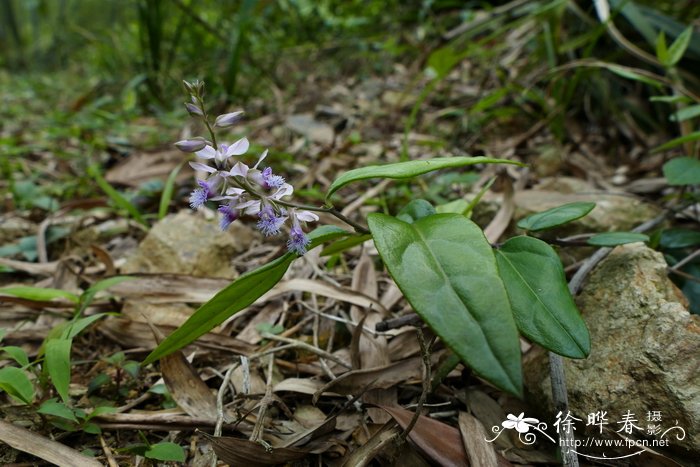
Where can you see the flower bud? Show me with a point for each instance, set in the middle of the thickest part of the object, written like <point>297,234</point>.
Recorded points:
<point>191,145</point>
<point>194,110</point>
<point>226,120</point>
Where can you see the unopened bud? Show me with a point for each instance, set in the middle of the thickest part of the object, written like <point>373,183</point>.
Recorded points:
<point>194,110</point>
<point>191,145</point>
<point>226,120</point>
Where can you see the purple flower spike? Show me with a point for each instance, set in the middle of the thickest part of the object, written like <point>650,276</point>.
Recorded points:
<point>201,195</point>
<point>228,215</point>
<point>298,241</point>
<point>270,223</point>
<point>270,180</point>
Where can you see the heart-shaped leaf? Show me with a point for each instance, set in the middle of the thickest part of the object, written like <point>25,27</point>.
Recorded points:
<point>543,307</point>
<point>556,216</point>
<point>446,269</point>
<point>241,293</point>
<point>409,169</point>
<point>616,238</point>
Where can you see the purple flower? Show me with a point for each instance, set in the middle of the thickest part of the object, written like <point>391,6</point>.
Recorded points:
<point>270,222</point>
<point>206,191</point>
<point>298,241</point>
<point>269,180</point>
<point>228,215</point>
<point>225,151</point>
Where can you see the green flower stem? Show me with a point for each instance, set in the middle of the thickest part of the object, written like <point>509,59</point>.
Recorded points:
<point>327,209</point>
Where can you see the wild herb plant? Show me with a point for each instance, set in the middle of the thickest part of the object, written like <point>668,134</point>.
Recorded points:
<point>476,297</point>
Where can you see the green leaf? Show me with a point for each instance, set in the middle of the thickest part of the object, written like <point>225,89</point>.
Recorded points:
<point>446,269</point>
<point>542,305</point>
<point>39,294</point>
<point>92,428</point>
<point>344,244</point>
<point>686,113</point>
<point>631,73</point>
<point>409,169</point>
<point>57,361</point>
<point>458,206</point>
<point>679,46</point>
<point>690,137</point>
<point>662,49</point>
<point>616,238</point>
<point>117,198</point>
<point>679,238</point>
<point>682,171</point>
<point>556,216</point>
<point>166,451</point>
<point>675,99</point>
<point>88,296</point>
<point>168,189</point>
<point>415,210</point>
<point>442,60</point>
<point>16,383</point>
<point>102,410</point>
<point>57,409</point>
<point>237,296</point>
<point>71,329</point>
<point>17,353</point>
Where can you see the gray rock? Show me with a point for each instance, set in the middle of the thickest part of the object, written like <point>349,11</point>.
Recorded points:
<point>14,227</point>
<point>645,349</point>
<point>186,243</point>
<point>307,126</point>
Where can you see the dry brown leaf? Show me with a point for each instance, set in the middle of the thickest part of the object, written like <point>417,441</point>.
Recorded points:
<point>502,219</point>
<point>479,451</point>
<point>186,387</point>
<point>184,384</point>
<point>269,314</point>
<point>489,413</point>
<point>438,441</point>
<point>51,451</point>
<point>169,288</point>
<point>236,451</point>
<point>133,334</point>
<point>354,382</point>
<point>372,350</point>
<point>324,289</point>
<point>301,386</point>
<point>142,167</point>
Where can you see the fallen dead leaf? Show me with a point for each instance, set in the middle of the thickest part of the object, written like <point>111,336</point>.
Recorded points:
<point>479,451</point>
<point>237,451</point>
<point>438,441</point>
